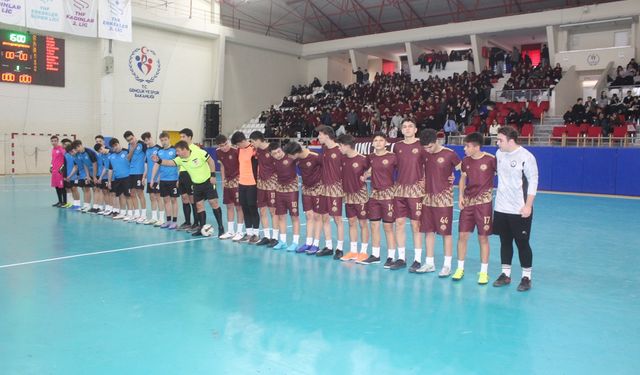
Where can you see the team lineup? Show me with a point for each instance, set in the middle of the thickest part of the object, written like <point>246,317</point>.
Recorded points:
<point>410,188</point>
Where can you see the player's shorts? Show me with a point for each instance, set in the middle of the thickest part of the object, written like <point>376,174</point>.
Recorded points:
<point>121,186</point>
<point>135,182</point>
<point>384,210</point>
<point>185,185</point>
<point>311,203</point>
<point>513,224</point>
<point>102,184</point>
<point>408,208</point>
<point>437,220</point>
<point>152,189</point>
<point>168,189</point>
<point>204,191</point>
<point>287,202</point>
<point>266,198</point>
<point>357,210</point>
<point>69,184</point>
<point>85,184</point>
<point>480,216</point>
<point>331,206</point>
<point>231,196</point>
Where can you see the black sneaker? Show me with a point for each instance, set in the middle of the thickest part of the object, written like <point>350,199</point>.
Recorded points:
<point>388,263</point>
<point>246,238</point>
<point>56,204</point>
<point>338,255</point>
<point>370,260</point>
<point>525,284</point>
<point>414,267</point>
<point>94,211</point>
<point>272,243</point>
<point>400,263</point>
<point>196,232</point>
<point>502,280</point>
<point>185,226</point>
<point>324,252</point>
<point>264,241</point>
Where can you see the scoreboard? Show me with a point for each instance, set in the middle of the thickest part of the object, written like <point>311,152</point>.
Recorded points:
<point>31,59</point>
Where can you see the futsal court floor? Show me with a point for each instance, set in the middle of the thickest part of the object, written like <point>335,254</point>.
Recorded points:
<point>82,294</point>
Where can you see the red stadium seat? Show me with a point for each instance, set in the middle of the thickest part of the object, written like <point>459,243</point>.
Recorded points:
<point>544,105</point>
<point>558,134</point>
<point>527,132</point>
<point>573,133</point>
<point>594,133</point>
<point>470,129</point>
<point>619,135</point>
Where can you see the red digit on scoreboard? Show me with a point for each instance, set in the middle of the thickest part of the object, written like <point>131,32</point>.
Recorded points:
<point>25,78</point>
<point>9,55</point>
<point>23,56</point>
<point>8,77</point>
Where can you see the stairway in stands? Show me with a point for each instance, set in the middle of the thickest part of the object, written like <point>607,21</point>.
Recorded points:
<point>544,129</point>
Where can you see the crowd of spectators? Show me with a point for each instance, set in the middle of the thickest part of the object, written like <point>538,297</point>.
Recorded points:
<point>605,112</point>
<point>626,76</point>
<point>438,60</point>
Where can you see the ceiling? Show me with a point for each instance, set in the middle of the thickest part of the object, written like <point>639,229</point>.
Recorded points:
<point>307,21</point>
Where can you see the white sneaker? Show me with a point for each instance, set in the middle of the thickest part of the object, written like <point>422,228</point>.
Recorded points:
<point>426,268</point>
<point>445,272</point>
<point>127,218</point>
<point>150,222</point>
<point>227,235</point>
<point>158,223</point>
<point>119,217</point>
<point>237,237</point>
<point>141,220</point>
<point>84,210</point>
<point>107,212</point>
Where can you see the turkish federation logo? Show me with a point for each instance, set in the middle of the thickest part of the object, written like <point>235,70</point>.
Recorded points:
<point>80,4</point>
<point>117,7</point>
<point>144,65</point>
<point>593,59</point>
<point>385,161</point>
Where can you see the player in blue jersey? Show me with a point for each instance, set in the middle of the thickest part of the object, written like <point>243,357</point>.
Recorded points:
<point>168,182</point>
<point>86,164</point>
<point>118,179</point>
<point>71,177</point>
<point>152,187</point>
<point>137,155</point>
<point>103,168</point>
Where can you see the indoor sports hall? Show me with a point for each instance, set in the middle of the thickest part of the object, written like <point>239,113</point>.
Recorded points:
<point>92,286</point>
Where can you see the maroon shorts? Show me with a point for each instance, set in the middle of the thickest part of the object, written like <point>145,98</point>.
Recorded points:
<point>356,210</point>
<point>311,203</point>
<point>230,196</point>
<point>287,202</point>
<point>382,210</point>
<point>266,198</point>
<point>437,220</point>
<point>331,206</point>
<point>408,207</point>
<point>479,216</point>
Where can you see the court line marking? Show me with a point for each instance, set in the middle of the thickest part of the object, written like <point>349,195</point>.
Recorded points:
<point>100,252</point>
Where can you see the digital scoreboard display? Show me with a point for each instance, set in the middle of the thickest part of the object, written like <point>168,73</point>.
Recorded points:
<point>31,59</point>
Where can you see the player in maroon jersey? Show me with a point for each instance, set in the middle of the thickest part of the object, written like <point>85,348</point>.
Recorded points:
<point>356,196</point>
<point>382,165</point>
<point>331,201</point>
<point>437,209</point>
<point>267,182</point>
<point>409,193</point>
<point>311,172</point>
<point>286,196</point>
<point>475,203</point>
<point>227,156</point>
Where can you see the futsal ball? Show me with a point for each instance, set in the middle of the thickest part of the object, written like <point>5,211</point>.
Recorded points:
<point>207,230</point>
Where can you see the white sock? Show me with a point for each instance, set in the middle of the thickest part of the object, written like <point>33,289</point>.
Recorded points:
<point>484,267</point>
<point>506,269</point>
<point>130,213</point>
<point>375,251</point>
<point>364,248</point>
<point>526,272</point>
<point>328,244</point>
<point>296,239</point>
<point>401,253</point>
<point>76,202</point>
<point>391,253</point>
<point>86,205</point>
<point>461,265</point>
<point>161,215</point>
<point>267,232</point>
<point>418,255</point>
<point>240,228</point>
<point>430,261</point>
<point>108,208</point>
<point>309,241</point>
<point>353,247</point>
<point>316,243</point>
<point>283,238</point>
<point>230,225</point>
<point>154,215</point>
<point>339,245</point>
<point>274,234</point>
<point>447,262</point>
<point>136,213</point>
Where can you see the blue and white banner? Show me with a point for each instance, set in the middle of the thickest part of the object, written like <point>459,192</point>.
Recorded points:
<point>13,12</point>
<point>81,17</point>
<point>45,15</point>
<point>115,20</point>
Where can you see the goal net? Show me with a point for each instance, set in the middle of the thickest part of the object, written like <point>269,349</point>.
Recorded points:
<point>28,153</point>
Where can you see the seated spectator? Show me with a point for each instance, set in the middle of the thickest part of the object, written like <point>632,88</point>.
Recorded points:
<point>493,128</point>
<point>450,127</point>
<point>578,111</point>
<point>525,116</point>
<point>568,117</point>
<point>512,117</point>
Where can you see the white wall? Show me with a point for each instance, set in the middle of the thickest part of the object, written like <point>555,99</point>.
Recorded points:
<point>254,80</point>
<point>595,59</point>
<point>566,92</point>
<point>374,66</point>
<point>318,68</point>
<point>592,39</point>
<point>340,70</point>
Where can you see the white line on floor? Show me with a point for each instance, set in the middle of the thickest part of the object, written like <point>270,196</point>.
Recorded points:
<point>101,252</point>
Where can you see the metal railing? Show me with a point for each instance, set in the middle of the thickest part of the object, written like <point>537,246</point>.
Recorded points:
<point>525,94</point>
<point>563,141</point>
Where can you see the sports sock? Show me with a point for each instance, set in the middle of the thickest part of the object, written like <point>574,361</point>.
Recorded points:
<point>353,247</point>
<point>484,267</point>
<point>526,272</point>
<point>283,238</point>
<point>364,248</point>
<point>230,225</point>
<point>391,253</point>
<point>186,209</point>
<point>339,245</point>
<point>417,255</point>
<point>447,262</point>
<point>401,253</point>
<point>375,251</point>
<point>461,265</point>
<point>316,243</point>
<point>296,239</point>
<point>430,261</point>
<point>506,269</point>
<point>267,232</point>
<point>309,241</point>
<point>328,244</point>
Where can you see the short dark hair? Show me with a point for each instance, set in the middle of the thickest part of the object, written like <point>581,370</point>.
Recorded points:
<point>509,132</point>
<point>220,139</point>
<point>65,140</point>
<point>256,135</point>
<point>379,134</point>
<point>476,138</point>
<point>113,142</point>
<point>327,130</point>
<point>182,145</point>
<point>145,136</point>
<point>76,143</point>
<point>274,145</point>
<point>428,136</point>
<point>53,137</point>
<point>406,119</point>
<point>98,137</point>
<point>164,135</point>
<point>127,134</point>
<point>347,140</point>
<point>292,148</point>
<point>69,148</point>
<point>238,137</point>
<point>97,147</point>
<point>188,132</point>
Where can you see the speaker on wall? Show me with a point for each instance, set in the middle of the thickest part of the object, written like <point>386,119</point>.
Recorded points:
<point>212,120</point>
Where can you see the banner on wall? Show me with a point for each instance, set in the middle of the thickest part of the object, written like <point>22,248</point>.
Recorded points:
<point>145,68</point>
<point>45,15</point>
<point>81,17</point>
<point>13,12</point>
<point>115,20</point>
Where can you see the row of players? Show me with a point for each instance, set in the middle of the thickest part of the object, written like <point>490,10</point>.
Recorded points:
<point>414,182</point>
